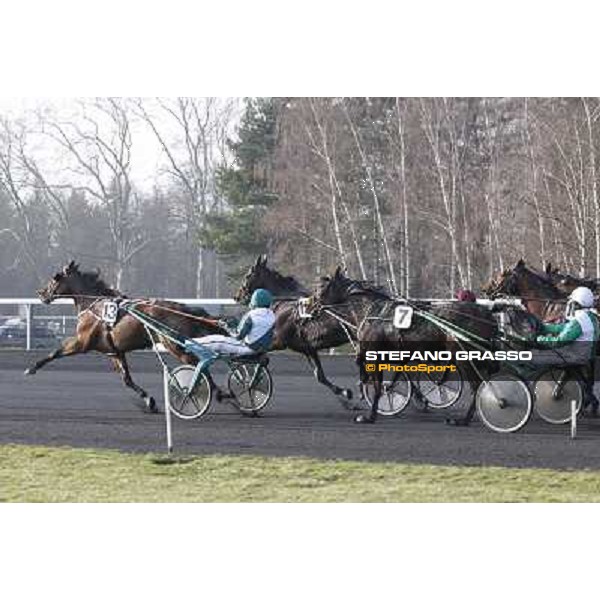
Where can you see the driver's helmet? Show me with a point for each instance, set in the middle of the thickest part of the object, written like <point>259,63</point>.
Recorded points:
<point>580,297</point>
<point>463,295</point>
<point>261,298</point>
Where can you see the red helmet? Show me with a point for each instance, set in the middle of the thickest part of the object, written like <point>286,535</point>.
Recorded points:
<point>465,296</point>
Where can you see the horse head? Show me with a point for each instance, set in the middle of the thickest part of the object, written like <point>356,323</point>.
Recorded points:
<point>502,284</point>
<point>339,288</point>
<point>521,281</point>
<point>61,284</point>
<point>259,275</point>
<point>334,289</point>
<point>71,281</point>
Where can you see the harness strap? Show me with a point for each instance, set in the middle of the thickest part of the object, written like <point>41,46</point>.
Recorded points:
<point>455,330</point>
<point>345,325</point>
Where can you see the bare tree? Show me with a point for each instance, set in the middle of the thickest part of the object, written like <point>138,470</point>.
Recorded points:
<point>193,133</point>
<point>15,184</point>
<point>98,142</point>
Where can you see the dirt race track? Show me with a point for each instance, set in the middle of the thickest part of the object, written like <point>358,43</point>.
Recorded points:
<point>81,402</point>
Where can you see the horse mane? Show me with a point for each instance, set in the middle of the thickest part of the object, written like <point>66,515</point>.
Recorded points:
<point>367,287</point>
<point>589,282</point>
<point>360,287</point>
<point>545,279</point>
<point>285,283</point>
<point>97,286</point>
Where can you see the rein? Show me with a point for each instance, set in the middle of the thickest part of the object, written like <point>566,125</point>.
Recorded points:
<point>344,324</point>
<point>204,320</point>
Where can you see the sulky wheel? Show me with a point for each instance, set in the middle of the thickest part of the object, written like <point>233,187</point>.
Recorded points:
<point>504,402</point>
<point>397,391</point>
<point>440,390</point>
<point>554,390</point>
<point>185,403</point>
<point>251,385</point>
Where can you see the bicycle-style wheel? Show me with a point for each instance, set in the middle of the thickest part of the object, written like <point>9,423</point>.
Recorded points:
<point>504,402</point>
<point>396,395</point>
<point>251,385</point>
<point>440,390</point>
<point>553,391</point>
<point>188,403</point>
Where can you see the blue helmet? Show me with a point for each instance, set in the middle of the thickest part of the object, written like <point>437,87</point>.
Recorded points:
<point>261,298</point>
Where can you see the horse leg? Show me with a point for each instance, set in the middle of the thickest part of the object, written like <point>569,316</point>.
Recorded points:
<point>69,347</point>
<point>473,381</point>
<point>371,417</point>
<point>121,366</point>
<point>345,394</point>
<point>361,380</point>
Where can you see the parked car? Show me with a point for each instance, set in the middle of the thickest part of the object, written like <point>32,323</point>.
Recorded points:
<point>15,336</point>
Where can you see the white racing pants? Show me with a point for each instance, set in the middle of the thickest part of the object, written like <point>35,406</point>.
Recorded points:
<point>222,344</point>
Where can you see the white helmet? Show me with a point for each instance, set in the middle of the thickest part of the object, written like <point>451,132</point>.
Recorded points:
<point>583,296</point>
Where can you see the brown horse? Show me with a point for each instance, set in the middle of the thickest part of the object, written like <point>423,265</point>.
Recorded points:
<point>304,334</point>
<point>539,292</point>
<point>566,283</point>
<point>544,295</point>
<point>90,294</point>
<point>370,311</point>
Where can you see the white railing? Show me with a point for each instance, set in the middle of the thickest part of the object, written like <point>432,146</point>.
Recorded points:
<point>29,303</point>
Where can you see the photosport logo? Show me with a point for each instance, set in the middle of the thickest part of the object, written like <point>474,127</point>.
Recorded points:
<point>431,358</point>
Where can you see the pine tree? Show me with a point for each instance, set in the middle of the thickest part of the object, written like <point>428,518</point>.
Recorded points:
<point>245,187</point>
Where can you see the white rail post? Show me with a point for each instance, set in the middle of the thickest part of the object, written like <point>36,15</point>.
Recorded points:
<point>573,419</point>
<point>28,311</point>
<point>167,409</point>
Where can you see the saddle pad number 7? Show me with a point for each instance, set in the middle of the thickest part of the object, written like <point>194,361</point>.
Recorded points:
<point>110,312</point>
<point>403,317</point>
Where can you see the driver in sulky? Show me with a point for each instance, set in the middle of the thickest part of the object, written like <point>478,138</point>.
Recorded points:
<point>574,341</point>
<point>254,334</point>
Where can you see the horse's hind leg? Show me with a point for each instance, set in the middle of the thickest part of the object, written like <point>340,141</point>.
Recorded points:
<point>377,391</point>
<point>121,366</point>
<point>344,393</point>
<point>69,347</point>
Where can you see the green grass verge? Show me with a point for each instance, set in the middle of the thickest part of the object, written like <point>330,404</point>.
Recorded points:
<point>41,474</point>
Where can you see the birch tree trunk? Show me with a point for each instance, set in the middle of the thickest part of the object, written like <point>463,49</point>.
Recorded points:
<point>589,119</point>
<point>376,203</point>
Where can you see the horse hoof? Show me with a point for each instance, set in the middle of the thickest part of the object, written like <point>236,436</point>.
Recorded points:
<point>30,371</point>
<point>350,406</point>
<point>364,419</point>
<point>151,405</point>
<point>347,393</point>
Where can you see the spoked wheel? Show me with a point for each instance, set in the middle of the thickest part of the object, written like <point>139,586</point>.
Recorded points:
<point>251,385</point>
<point>554,390</point>
<point>504,402</point>
<point>186,403</point>
<point>440,390</point>
<point>397,391</point>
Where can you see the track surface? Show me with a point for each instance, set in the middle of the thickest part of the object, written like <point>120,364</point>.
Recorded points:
<point>80,402</point>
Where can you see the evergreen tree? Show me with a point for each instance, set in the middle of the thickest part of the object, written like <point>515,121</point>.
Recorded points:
<point>246,186</point>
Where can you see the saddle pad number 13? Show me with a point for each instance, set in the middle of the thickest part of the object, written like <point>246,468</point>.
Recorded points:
<point>403,317</point>
<point>110,312</point>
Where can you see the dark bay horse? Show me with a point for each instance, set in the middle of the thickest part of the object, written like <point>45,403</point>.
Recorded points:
<point>539,292</point>
<point>566,283</point>
<point>370,311</point>
<point>545,296</point>
<point>302,333</point>
<point>90,293</point>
